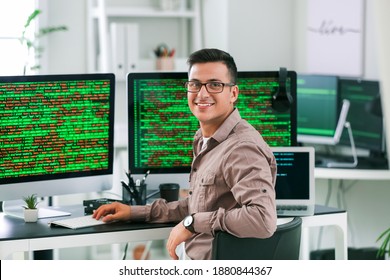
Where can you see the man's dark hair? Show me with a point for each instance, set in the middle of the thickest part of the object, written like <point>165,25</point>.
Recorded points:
<point>214,55</point>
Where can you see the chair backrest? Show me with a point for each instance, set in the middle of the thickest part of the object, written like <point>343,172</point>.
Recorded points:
<point>283,245</point>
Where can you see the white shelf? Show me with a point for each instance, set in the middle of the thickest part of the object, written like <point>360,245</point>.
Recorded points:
<point>144,12</point>
<point>101,15</point>
<point>147,65</point>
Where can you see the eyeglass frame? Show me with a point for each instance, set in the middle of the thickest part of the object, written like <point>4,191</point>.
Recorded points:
<point>205,85</point>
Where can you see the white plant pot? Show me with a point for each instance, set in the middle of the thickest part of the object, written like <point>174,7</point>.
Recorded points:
<point>30,215</point>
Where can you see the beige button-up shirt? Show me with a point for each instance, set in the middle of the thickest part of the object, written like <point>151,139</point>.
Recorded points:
<point>232,188</point>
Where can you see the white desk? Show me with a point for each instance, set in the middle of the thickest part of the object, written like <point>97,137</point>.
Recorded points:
<point>326,217</point>
<point>23,242</point>
<point>18,236</point>
<point>352,174</point>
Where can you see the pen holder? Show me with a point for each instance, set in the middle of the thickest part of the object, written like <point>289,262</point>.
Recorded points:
<point>165,63</point>
<point>138,198</point>
<point>141,195</point>
<point>126,196</point>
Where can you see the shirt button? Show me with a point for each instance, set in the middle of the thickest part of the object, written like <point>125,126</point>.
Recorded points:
<point>264,191</point>
<point>195,169</point>
<point>190,192</point>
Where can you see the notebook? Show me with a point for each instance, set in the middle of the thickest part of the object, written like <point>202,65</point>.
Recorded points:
<point>295,192</point>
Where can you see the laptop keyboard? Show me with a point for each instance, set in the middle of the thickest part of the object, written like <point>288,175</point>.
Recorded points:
<point>280,209</point>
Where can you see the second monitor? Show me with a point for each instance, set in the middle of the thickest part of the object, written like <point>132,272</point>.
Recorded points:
<point>365,115</point>
<point>162,127</point>
<point>318,108</point>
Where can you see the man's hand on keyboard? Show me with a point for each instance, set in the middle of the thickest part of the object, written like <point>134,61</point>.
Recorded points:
<point>113,212</point>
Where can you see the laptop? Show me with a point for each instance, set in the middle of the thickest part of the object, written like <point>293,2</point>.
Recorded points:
<point>295,192</point>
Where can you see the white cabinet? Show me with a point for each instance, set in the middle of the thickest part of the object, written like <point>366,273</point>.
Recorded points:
<point>183,28</point>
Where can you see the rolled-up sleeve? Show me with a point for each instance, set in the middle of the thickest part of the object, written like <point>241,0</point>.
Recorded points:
<point>161,211</point>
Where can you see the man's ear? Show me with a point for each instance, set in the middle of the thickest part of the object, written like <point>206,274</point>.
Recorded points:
<point>234,94</point>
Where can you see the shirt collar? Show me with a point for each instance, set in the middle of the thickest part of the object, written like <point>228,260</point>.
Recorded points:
<point>225,129</point>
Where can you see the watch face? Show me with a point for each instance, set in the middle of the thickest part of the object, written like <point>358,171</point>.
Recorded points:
<point>188,221</point>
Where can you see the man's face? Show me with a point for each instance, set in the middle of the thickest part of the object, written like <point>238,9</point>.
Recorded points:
<point>211,109</point>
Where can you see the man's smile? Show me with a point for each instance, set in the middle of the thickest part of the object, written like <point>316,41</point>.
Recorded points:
<point>203,104</point>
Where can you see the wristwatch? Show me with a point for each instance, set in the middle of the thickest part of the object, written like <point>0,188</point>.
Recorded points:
<point>188,223</point>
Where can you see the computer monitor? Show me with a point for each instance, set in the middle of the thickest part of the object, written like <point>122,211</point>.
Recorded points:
<point>318,109</point>
<point>278,128</point>
<point>56,134</point>
<point>365,115</point>
<point>162,127</point>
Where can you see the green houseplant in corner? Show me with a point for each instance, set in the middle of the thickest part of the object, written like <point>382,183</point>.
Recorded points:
<point>30,209</point>
<point>385,247</point>
<point>32,44</point>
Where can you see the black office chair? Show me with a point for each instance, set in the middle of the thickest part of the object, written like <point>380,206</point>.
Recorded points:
<point>283,245</point>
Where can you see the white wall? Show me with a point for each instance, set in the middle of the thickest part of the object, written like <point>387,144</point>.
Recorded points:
<point>261,35</point>
<point>65,52</point>
<point>250,32</point>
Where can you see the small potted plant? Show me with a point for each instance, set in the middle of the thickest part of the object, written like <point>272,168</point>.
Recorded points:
<point>30,209</point>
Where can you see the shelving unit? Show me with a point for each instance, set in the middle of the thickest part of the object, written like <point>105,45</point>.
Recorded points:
<point>101,14</point>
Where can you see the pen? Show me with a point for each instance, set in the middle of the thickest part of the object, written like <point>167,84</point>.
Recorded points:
<point>131,185</point>
<point>144,179</point>
<point>134,188</point>
<point>127,174</point>
<point>129,190</point>
<point>131,180</point>
<point>127,187</point>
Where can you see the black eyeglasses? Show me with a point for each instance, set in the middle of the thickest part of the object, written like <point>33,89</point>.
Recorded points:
<point>211,87</point>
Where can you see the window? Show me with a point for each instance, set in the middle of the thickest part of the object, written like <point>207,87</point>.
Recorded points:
<point>13,16</point>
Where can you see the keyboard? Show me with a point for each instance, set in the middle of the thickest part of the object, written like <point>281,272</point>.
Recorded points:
<point>77,222</point>
<point>293,210</point>
<point>291,207</point>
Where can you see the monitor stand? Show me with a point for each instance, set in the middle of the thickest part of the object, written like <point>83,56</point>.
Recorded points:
<point>15,208</point>
<point>353,150</point>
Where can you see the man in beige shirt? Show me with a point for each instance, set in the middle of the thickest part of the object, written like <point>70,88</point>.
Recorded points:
<point>233,173</point>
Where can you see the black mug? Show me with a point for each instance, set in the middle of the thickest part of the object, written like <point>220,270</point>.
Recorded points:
<point>169,192</point>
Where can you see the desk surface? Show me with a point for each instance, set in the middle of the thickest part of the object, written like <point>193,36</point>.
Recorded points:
<point>351,174</point>
<point>18,236</point>
<point>324,210</point>
<point>13,228</point>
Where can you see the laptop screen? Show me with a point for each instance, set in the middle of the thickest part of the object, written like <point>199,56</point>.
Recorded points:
<point>295,176</point>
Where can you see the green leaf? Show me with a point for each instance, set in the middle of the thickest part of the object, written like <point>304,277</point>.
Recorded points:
<point>47,30</point>
<point>31,201</point>
<point>385,244</point>
<point>32,17</point>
